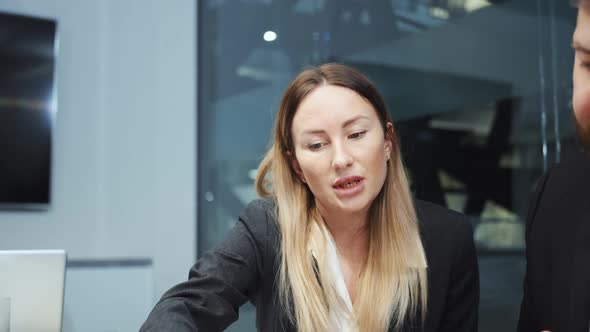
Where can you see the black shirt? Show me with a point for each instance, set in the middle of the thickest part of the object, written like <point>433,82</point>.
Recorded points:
<point>557,282</point>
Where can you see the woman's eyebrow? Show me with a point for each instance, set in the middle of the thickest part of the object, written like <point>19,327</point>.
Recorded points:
<point>353,120</point>
<point>344,124</point>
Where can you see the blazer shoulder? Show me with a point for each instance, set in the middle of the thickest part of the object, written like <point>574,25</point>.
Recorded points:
<point>437,218</point>
<point>261,208</point>
<point>259,213</point>
<point>442,229</point>
<point>259,217</point>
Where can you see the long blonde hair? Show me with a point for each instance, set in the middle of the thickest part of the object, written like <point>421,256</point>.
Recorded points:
<point>392,288</point>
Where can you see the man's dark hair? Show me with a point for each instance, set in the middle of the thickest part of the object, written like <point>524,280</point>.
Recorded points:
<point>577,3</point>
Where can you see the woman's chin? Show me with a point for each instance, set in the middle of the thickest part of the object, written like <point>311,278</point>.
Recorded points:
<point>355,206</point>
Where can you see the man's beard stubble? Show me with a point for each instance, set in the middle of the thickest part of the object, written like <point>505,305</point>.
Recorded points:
<point>583,131</point>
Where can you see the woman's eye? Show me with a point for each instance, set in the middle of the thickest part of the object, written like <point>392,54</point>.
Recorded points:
<point>357,135</point>
<point>315,146</point>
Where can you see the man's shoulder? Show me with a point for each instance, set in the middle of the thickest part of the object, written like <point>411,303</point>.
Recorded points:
<point>560,199</point>
<point>571,176</point>
<point>574,163</point>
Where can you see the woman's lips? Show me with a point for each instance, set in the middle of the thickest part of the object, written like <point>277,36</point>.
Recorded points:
<point>349,186</point>
<point>347,180</point>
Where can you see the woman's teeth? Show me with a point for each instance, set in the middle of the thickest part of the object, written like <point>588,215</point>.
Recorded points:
<point>349,184</point>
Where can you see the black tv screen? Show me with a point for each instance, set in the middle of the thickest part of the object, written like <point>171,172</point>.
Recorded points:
<point>27,109</point>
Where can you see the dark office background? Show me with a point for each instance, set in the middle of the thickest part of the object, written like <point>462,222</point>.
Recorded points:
<point>479,90</point>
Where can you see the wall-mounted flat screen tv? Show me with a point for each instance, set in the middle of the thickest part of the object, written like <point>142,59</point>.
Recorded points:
<point>28,102</point>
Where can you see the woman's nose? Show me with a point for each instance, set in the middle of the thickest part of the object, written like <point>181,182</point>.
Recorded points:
<point>342,157</point>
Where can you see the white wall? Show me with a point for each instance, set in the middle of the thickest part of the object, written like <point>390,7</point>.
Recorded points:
<point>123,182</point>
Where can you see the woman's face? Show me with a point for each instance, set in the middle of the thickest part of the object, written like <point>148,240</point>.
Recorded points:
<point>340,149</point>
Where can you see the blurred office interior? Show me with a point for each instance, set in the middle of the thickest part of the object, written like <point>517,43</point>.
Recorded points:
<point>479,90</point>
<point>164,110</point>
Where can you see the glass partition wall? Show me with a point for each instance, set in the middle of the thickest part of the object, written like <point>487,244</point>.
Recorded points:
<point>479,90</point>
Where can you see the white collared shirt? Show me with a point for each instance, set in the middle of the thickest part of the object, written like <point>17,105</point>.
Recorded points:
<point>340,323</point>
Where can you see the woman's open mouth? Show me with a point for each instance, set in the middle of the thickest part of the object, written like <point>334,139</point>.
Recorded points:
<point>349,186</point>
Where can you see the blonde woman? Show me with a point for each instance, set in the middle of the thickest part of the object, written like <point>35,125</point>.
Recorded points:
<point>337,243</point>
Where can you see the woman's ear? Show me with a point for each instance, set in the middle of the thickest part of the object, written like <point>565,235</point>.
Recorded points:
<point>389,131</point>
<point>295,166</point>
<point>389,135</point>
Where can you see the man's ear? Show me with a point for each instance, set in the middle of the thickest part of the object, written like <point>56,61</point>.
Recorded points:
<point>295,166</point>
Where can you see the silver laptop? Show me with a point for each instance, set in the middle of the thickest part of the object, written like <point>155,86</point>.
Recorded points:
<point>34,281</point>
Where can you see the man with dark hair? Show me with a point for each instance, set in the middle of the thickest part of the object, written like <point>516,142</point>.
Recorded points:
<point>557,282</point>
<point>577,3</point>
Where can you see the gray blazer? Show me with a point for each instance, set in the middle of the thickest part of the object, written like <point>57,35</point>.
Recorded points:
<point>245,265</point>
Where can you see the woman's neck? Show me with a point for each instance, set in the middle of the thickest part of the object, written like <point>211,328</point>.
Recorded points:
<point>350,234</point>
<point>351,238</point>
